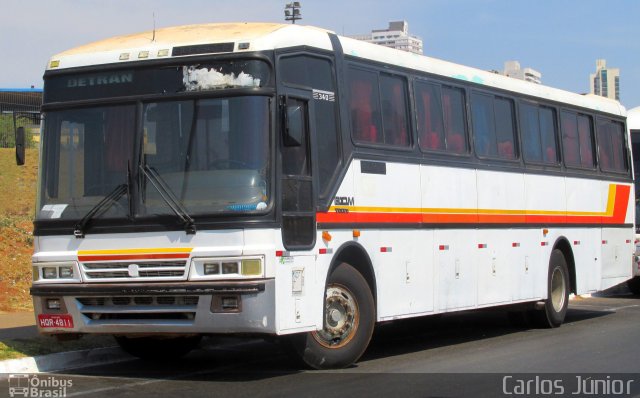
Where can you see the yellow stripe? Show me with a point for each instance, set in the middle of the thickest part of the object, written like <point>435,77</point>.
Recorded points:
<point>135,251</point>
<point>611,199</point>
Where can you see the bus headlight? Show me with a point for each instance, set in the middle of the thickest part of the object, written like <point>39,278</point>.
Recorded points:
<point>61,272</point>
<point>226,268</point>
<point>49,272</point>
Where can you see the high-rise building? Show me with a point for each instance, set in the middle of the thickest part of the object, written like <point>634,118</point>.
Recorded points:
<point>513,69</point>
<point>396,36</point>
<point>606,81</point>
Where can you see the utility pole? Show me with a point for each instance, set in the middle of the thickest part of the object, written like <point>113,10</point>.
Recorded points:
<point>292,12</point>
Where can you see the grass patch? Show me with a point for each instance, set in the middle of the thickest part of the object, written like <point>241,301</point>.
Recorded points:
<point>43,345</point>
<point>17,206</point>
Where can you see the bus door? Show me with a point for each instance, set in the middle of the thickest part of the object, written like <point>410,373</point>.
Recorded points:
<point>300,296</point>
<point>298,180</point>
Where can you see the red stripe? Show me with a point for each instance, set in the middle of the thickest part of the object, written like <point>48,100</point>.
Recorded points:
<point>158,256</point>
<point>618,216</point>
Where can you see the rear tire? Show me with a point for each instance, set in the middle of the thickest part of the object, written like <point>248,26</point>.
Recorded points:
<point>555,306</point>
<point>158,348</point>
<point>349,319</point>
<point>634,285</point>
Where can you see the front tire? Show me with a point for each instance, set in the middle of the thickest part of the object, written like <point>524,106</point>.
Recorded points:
<point>158,348</point>
<point>349,319</point>
<point>552,314</point>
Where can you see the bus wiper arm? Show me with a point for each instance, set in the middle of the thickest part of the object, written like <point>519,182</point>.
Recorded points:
<point>103,205</point>
<point>170,199</point>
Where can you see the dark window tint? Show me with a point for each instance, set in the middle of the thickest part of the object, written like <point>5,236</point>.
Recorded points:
<point>454,119</point>
<point>393,93</point>
<point>364,108</point>
<point>577,140</point>
<point>539,142</point>
<point>611,146</point>
<point>493,126</point>
<point>316,73</point>
<point>294,158</point>
<point>505,131</point>
<point>440,113</point>
<point>430,122</point>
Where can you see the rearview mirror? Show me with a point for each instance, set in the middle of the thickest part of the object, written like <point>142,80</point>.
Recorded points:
<point>20,142</point>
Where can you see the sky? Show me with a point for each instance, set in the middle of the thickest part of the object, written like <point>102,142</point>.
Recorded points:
<point>559,38</point>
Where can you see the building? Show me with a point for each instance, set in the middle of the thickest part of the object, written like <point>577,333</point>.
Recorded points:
<point>396,36</point>
<point>513,69</point>
<point>606,81</point>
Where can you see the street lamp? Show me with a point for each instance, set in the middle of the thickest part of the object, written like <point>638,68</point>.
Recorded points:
<point>292,11</point>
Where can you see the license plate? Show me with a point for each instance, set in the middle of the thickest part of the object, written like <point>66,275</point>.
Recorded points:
<point>64,321</point>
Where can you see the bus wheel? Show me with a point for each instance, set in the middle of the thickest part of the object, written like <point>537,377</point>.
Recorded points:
<point>349,318</point>
<point>552,314</point>
<point>158,348</point>
<point>634,285</point>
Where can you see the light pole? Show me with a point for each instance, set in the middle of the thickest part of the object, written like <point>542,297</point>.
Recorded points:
<point>292,11</point>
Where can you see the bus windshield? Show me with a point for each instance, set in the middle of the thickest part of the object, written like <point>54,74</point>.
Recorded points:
<point>212,154</point>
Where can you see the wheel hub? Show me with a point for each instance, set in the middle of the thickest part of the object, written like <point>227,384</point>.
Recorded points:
<point>341,317</point>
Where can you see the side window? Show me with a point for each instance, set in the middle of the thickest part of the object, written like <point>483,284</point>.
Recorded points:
<point>429,110</point>
<point>454,119</point>
<point>505,130</point>
<point>317,74</point>
<point>539,144</point>
<point>611,144</point>
<point>393,95</point>
<point>483,125</point>
<point>577,140</point>
<point>548,135</point>
<point>364,108</point>
<point>531,140</point>
<point>493,126</point>
<point>441,124</point>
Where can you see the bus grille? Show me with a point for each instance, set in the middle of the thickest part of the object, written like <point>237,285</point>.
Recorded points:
<point>129,271</point>
<point>104,310</point>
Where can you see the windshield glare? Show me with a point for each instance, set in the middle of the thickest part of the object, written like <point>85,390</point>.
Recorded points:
<point>211,153</point>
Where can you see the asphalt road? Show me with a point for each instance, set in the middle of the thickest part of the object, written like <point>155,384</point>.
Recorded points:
<point>468,354</point>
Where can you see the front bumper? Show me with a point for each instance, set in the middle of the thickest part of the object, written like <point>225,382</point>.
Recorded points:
<point>160,308</point>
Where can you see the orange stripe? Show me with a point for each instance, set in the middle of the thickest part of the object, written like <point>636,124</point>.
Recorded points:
<point>615,213</point>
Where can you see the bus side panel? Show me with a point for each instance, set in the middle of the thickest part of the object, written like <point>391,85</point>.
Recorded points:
<point>500,199</point>
<point>449,196</point>
<point>457,269</point>
<point>586,247</point>
<point>390,197</point>
<point>526,263</point>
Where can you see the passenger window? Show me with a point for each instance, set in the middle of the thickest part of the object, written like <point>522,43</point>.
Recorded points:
<point>430,123</point>
<point>364,107</point>
<point>611,144</point>
<point>454,119</point>
<point>577,140</point>
<point>393,92</point>
<point>505,131</point>
<point>539,144</point>
<point>483,125</point>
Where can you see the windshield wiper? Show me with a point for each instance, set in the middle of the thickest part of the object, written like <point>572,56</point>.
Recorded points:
<point>103,205</point>
<point>170,199</point>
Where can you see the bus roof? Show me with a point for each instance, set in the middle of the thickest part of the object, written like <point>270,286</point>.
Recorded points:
<point>268,36</point>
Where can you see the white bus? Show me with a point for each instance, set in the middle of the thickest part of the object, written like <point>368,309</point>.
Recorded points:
<point>633,123</point>
<point>270,179</point>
